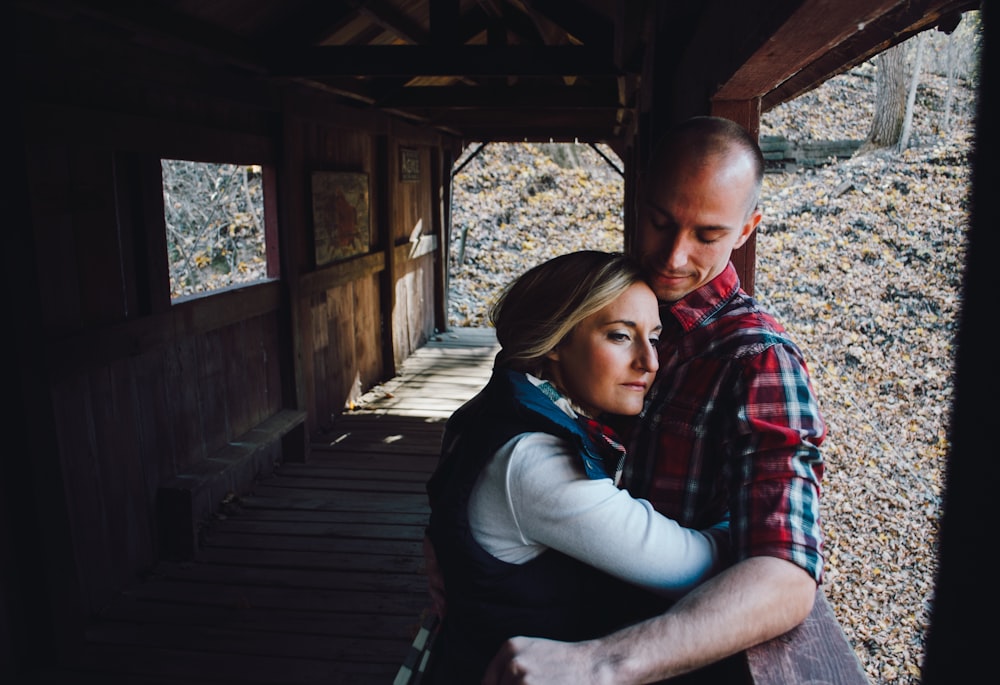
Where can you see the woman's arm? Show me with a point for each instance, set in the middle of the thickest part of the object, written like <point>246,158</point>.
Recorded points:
<point>534,495</point>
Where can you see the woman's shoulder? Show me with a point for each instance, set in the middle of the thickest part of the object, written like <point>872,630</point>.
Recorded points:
<point>539,458</point>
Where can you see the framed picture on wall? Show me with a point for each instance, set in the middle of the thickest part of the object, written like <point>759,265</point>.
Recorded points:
<point>409,164</point>
<point>341,226</point>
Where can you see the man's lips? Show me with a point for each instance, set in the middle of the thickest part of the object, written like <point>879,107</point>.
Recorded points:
<point>668,277</point>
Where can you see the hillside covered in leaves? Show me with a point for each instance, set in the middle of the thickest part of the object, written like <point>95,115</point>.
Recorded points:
<point>862,259</point>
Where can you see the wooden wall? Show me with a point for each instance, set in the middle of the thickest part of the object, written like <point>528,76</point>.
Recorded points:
<point>125,391</point>
<point>357,319</point>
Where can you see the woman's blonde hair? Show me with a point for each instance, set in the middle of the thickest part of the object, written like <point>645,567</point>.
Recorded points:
<point>540,308</point>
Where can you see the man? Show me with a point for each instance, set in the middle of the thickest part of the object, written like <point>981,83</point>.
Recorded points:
<point>730,424</point>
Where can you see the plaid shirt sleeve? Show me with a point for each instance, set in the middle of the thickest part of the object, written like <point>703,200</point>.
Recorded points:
<point>777,467</point>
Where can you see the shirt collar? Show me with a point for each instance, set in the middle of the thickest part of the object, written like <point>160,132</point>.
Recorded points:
<point>698,305</point>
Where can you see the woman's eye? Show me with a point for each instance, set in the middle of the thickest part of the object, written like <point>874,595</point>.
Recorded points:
<point>618,337</point>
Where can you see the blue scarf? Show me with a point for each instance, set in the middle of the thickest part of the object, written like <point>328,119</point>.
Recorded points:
<point>603,439</point>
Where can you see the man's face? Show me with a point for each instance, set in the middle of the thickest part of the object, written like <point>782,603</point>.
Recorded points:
<point>691,217</point>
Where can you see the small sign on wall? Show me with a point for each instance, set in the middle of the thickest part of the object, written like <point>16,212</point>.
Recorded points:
<point>409,164</point>
<point>340,215</point>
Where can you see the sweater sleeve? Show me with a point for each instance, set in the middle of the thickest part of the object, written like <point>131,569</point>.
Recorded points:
<point>535,495</point>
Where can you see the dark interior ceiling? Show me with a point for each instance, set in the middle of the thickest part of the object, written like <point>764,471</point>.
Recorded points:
<point>521,69</point>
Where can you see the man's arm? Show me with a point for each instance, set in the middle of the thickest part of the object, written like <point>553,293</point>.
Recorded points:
<point>751,602</point>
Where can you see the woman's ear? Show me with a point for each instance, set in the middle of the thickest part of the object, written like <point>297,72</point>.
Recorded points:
<point>553,354</point>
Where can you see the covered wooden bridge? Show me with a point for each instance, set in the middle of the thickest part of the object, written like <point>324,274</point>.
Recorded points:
<point>187,496</point>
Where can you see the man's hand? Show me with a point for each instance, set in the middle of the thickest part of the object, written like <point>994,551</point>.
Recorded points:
<point>536,661</point>
<point>753,601</point>
<point>435,579</point>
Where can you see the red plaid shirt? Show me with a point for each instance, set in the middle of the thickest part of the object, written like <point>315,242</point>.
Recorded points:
<point>732,425</point>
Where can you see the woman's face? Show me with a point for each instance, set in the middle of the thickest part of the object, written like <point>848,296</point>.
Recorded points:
<point>608,361</point>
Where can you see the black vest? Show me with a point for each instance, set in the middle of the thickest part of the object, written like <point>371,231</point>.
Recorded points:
<point>489,600</point>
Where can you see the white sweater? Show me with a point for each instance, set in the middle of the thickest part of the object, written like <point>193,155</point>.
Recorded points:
<point>534,494</point>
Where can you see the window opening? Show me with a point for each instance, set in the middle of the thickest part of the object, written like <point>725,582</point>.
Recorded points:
<point>214,214</point>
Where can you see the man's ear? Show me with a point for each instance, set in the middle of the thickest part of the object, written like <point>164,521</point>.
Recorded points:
<point>748,228</point>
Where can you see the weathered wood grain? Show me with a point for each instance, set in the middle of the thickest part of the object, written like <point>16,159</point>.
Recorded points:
<point>316,577</point>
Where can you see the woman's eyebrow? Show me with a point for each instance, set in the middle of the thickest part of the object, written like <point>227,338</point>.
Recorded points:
<point>630,324</point>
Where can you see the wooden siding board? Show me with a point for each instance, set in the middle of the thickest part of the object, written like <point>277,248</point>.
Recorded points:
<point>129,505</point>
<point>238,375</point>
<point>72,403</point>
<point>213,395</point>
<point>343,336</point>
<point>111,509</point>
<point>184,391</point>
<point>156,434</point>
<point>318,353</point>
<point>96,228</point>
<point>368,331</point>
<point>276,361</point>
<point>52,220</point>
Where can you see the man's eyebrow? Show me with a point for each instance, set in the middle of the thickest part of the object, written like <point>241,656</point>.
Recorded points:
<point>646,202</point>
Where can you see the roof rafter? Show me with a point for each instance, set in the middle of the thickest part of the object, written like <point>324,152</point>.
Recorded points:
<point>468,60</point>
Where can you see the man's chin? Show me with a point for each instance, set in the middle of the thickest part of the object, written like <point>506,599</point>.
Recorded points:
<point>670,295</point>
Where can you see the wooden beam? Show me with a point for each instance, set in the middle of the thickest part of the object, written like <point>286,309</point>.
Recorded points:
<point>864,45</point>
<point>157,21</point>
<point>464,60</point>
<point>816,28</point>
<point>341,273</point>
<point>392,20</point>
<point>580,21</point>
<point>599,95</point>
<point>813,29</point>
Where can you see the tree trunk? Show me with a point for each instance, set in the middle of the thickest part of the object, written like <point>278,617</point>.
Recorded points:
<point>950,49</point>
<point>890,100</point>
<point>904,136</point>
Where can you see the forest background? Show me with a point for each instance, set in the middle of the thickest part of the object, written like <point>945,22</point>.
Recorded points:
<point>861,258</point>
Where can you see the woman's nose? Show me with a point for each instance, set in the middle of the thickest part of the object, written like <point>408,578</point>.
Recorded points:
<point>647,358</point>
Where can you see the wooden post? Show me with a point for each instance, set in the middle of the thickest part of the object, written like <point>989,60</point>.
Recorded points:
<point>746,113</point>
<point>383,228</point>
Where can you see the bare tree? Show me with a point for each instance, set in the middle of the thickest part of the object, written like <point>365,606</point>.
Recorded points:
<point>890,100</point>
<point>911,97</point>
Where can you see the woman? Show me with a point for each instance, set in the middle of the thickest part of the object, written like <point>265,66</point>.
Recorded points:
<point>532,534</point>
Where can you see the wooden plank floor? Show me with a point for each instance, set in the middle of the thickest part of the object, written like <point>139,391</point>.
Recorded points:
<point>316,577</point>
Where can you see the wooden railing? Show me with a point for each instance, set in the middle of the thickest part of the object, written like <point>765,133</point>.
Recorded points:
<point>817,651</point>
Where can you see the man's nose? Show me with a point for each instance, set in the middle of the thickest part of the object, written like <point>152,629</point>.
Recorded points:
<point>676,249</point>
